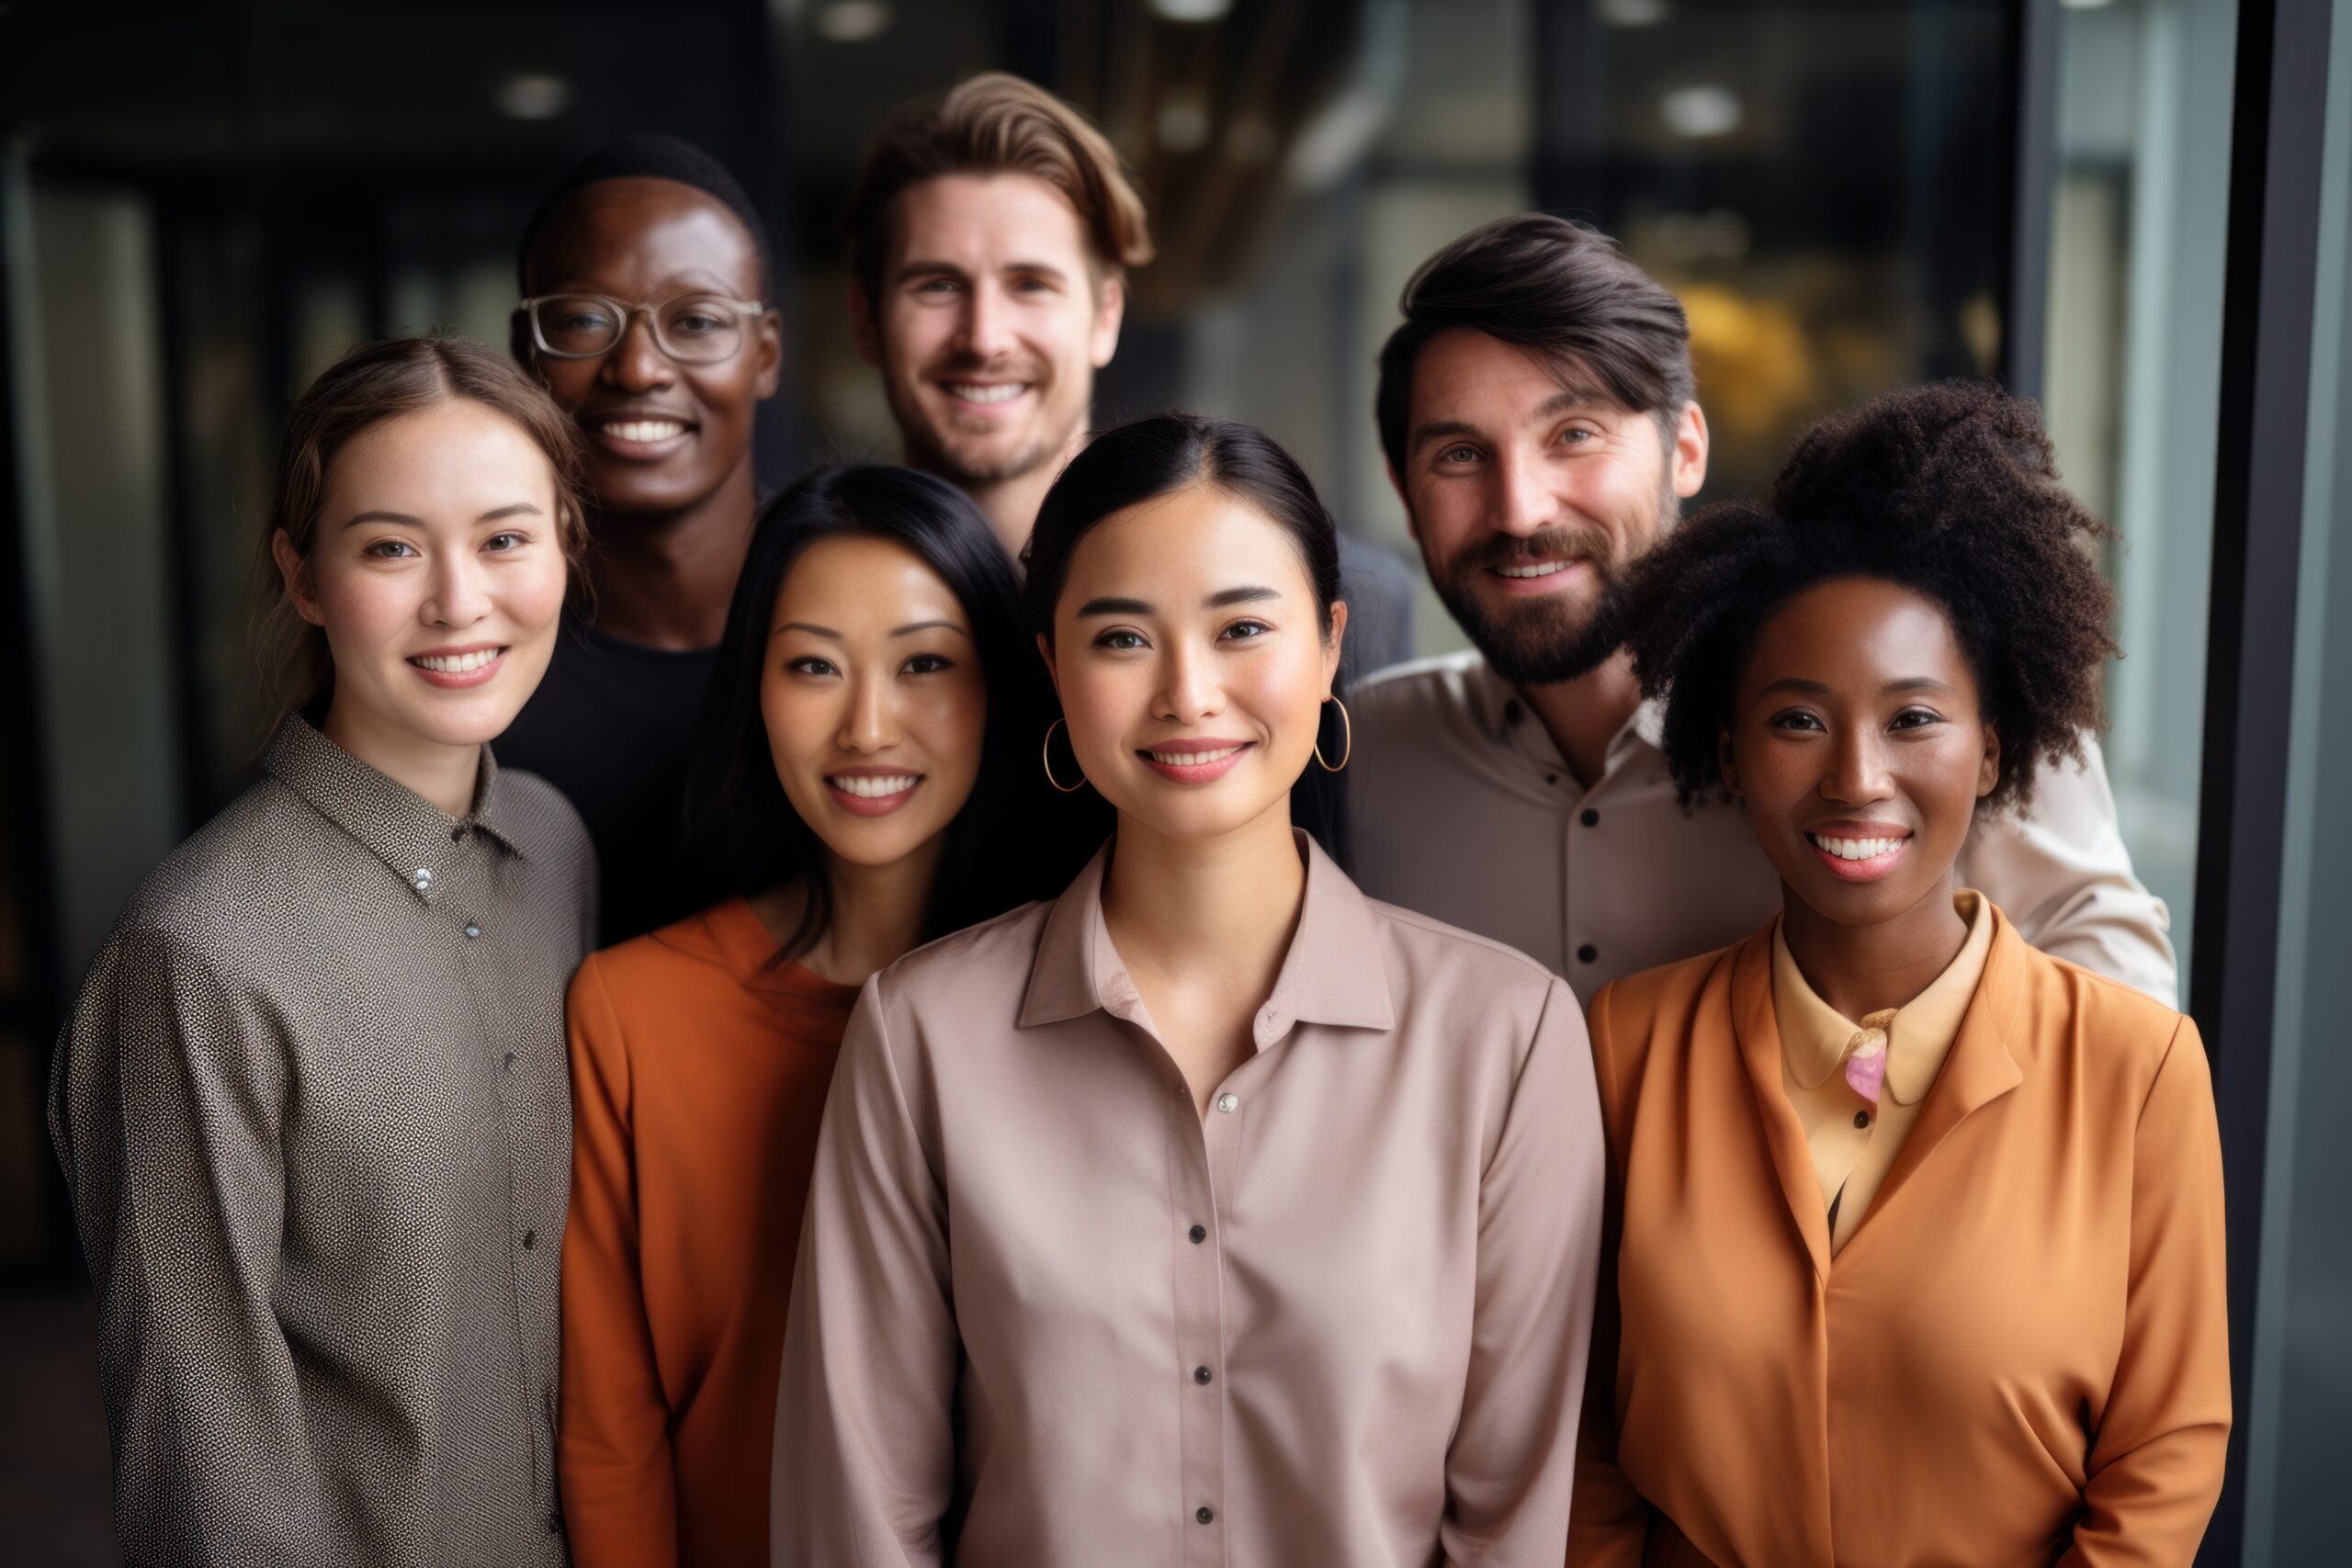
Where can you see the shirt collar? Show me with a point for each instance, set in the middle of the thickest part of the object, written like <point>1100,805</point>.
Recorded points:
<point>1814,1035</point>
<point>1509,719</point>
<point>400,827</point>
<point>1331,975</point>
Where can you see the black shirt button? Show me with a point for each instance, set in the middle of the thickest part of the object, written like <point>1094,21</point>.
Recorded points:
<point>510,1061</point>
<point>1587,953</point>
<point>1206,1513</point>
<point>1200,1374</point>
<point>1861,1118</point>
<point>457,834</point>
<point>1199,1235</point>
<point>530,1240</point>
<point>1591,818</point>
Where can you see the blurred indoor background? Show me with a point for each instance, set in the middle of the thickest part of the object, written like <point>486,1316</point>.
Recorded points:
<point>202,205</point>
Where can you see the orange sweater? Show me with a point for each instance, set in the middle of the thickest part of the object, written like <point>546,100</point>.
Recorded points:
<point>698,1077</point>
<point>2020,1356</point>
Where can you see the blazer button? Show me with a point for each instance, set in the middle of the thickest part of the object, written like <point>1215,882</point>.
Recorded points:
<point>1587,953</point>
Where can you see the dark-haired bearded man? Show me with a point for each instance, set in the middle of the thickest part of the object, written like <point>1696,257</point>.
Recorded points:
<point>1538,414</point>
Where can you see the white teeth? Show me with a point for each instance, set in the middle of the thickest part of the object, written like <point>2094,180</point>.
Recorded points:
<point>876,788</point>
<point>1190,758</point>
<point>456,664</point>
<point>1003,393</point>
<point>647,429</point>
<point>1855,848</point>
<point>1539,568</point>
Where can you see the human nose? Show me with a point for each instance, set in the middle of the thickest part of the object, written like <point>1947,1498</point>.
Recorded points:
<point>872,722</point>
<point>1526,499</point>
<point>987,325</point>
<point>460,592</point>
<point>635,364</point>
<point>1188,686</point>
<point>1858,768</point>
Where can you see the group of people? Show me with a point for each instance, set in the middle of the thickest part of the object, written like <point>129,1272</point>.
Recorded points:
<point>980,1013</point>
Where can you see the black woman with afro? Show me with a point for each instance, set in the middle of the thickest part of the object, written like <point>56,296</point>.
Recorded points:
<point>1915,1246</point>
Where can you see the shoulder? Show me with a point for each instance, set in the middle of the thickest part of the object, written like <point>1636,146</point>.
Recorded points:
<point>970,968</point>
<point>247,870</point>
<point>1628,1014</point>
<point>656,969</point>
<point>1425,944</point>
<point>543,821</point>
<point>2114,1029</point>
<point>1441,682</point>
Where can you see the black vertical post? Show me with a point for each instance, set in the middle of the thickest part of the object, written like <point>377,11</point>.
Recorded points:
<point>2025,315</point>
<point>2267,301</point>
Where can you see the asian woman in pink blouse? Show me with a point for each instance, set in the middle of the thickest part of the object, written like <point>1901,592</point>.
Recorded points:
<point>1212,1214</point>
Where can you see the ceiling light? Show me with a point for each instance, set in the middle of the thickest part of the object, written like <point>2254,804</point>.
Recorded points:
<point>533,94</point>
<point>1191,10</point>
<point>1701,111</point>
<point>1632,13</point>
<point>852,21</point>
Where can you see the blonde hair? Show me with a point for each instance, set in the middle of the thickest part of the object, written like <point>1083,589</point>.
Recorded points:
<point>994,124</point>
<point>372,383</point>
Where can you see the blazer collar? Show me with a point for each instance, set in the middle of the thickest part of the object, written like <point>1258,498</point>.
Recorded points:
<point>1979,1069</point>
<point>1332,974</point>
<point>401,828</point>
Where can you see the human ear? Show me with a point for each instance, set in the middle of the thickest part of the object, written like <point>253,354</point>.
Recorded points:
<point>1110,311</point>
<point>1725,765</point>
<point>770,338</point>
<point>1045,653</point>
<point>295,572</point>
<point>1331,644</point>
<point>1689,457</point>
<point>1988,767</point>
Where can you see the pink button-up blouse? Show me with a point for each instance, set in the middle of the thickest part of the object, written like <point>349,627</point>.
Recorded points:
<point>1047,1313</point>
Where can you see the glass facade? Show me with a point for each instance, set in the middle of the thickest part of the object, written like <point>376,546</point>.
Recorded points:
<point>2300,1402</point>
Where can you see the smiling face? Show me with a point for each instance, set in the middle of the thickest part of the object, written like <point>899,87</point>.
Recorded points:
<point>874,698</point>
<point>1191,662</point>
<point>1860,749</point>
<point>662,436</point>
<point>1529,501</point>
<point>438,572</point>
<point>989,324</point>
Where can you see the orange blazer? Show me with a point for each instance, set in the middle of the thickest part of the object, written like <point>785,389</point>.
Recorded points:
<point>698,1073</point>
<point>2020,1357</point>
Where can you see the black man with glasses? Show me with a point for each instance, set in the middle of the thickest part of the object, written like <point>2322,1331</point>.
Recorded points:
<point>645,274</point>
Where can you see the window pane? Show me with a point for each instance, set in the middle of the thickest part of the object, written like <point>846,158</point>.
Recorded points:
<point>2131,378</point>
<point>2300,1402</point>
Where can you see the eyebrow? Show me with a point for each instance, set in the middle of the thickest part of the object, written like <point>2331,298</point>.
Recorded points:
<point>1251,594</point>
<point>1566,402</point>
<point>908,630</point>
<point>496,514</point>
<point>1821,688</point>
<point>917,266</point>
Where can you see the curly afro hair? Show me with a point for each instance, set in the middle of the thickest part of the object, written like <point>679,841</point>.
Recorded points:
<point>1947,489</point>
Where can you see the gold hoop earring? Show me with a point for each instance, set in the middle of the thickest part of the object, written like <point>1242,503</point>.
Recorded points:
<point>1347,731</point>
<point>1047,753</point>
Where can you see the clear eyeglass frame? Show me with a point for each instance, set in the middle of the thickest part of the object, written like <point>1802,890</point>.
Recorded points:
<point>626,314</point>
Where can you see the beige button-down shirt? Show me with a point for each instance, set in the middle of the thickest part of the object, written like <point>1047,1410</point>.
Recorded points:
<point>1047,1313</point>
<point>1464,809</point>
<point>1854,1140</point>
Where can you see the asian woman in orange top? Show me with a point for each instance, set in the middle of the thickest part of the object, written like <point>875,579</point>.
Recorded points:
<point>870,779</point>
<point>1916,1233</point>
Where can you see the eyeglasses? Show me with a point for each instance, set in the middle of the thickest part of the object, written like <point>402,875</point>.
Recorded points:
<point>694,329</point>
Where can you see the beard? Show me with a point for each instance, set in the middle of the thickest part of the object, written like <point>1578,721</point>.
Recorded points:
<point>1542,642</point>
<point>1536,642</point>
<point>969,460</point>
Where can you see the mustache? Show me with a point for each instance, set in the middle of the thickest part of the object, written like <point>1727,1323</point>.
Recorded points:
<point>958,363</point>
<point>1546,544</point>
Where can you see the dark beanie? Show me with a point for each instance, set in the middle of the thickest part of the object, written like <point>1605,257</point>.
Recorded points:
<point>653,157</point>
